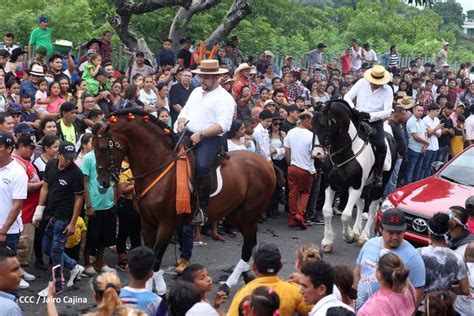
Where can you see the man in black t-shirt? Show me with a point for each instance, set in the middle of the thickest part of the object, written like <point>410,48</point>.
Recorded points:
<point>184,55</point>
<point>290,121</point>
<point>179,94</point>
<point>447,132</point>
<point>61,201</point>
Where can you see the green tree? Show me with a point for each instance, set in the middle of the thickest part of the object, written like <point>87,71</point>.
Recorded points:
<point>451,11</point>
<point>470,15</point>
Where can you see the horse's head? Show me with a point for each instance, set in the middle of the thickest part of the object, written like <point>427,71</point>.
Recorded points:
<point>109,154</point>
<point>321,123</point>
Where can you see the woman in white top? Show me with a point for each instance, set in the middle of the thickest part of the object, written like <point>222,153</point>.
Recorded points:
<point>50,150</point>
<point>236,136</point>
<point>148,95</point>
<point>86,147</point>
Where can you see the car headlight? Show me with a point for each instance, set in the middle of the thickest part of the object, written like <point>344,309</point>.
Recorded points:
<point>386,205</point>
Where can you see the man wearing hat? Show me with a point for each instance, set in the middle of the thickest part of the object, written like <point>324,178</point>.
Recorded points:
<point>13,192</point>
<point>266,265</point>
<point>374,104</point>
<point>60,203</point>
<point>24,150</point>
<point>41,36</point>
<point>68,125</point>
<point>242,78</point>
<point>393,230</point>
<point>15,111</point>
<point>209,112</point>
<point>30,86</point>
<point>139,67</point>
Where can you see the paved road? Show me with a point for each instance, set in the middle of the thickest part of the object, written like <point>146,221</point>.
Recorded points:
<point>218,257</point>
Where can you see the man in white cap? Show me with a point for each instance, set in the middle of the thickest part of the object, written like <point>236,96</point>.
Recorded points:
<point>374,104</point>
<point>209,112</point>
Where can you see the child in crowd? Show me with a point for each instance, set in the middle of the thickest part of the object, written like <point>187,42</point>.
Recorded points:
<point>199,276</point>
<point>91,69</point>
<point>164,116</point>
<point>27,115</point>
<point>140,269</point>
<point>304,254</point>
<point>41,96</point>
<point>299,101</point>
<point>264,301</point>
<point>13,91</point>
<point>76,242</point>
<point>457,142</point>
<point>138,80</point>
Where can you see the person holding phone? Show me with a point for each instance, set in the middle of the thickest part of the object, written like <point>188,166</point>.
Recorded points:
<point>59,206</point>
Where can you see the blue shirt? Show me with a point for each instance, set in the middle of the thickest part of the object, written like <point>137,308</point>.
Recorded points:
<point>415,125</point>
<point>99,201</point>
<point>368,259</point>
<point>138,298</point>
<point>165,57</point>
<point>9,305</point>
<point>27,88</point>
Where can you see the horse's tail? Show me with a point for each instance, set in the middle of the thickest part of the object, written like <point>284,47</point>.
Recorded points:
<point>280,177</point>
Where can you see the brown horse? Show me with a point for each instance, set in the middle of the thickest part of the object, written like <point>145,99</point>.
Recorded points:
<point>248,182</point>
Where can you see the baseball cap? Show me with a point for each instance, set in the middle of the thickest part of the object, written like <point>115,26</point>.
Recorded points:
<point>321,45</point>
<point>26,139</point>
<point>14,108</point>
<point>394,219</point>
<point>23,128</point>
<point>6,139</point>
<point>43,19</point>
<point>267,257</point>
<point>68,150</point>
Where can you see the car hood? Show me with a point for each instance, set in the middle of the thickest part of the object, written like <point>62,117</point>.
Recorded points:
<point>430,195</point>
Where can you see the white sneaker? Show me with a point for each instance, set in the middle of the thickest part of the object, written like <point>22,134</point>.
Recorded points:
<point>43,292</point>
<point>27,276</point>
<point>90,271</point>
<point>24,284</point>
<point>106,268</point>
<point>76,271</point>
<point>365,216</point>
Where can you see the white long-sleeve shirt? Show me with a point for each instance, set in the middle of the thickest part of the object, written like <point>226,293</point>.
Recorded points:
<point>377,103</point>
<point>262,141</point>
<point>204,109</point>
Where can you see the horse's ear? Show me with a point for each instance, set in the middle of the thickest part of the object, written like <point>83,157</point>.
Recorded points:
<point>318,106</point>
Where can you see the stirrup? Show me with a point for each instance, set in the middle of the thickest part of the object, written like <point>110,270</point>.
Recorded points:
<point>199,218</point>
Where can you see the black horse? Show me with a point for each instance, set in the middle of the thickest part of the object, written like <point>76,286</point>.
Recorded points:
<point>348,159</point>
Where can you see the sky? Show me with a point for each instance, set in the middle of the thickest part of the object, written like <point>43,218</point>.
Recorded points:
<point>466,4</point>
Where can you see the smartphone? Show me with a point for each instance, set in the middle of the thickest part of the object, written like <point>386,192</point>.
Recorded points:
<point>58,278</point>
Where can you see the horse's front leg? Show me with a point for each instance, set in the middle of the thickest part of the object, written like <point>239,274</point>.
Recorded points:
<point>358,222</point>
<point>370,223</point>
<point>354,196</point>
<point>328,239</point>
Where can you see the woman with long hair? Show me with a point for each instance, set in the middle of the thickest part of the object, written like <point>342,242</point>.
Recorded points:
<point>106,289</point>
<point>467,97</point>
<point>124,81</point>
<point>65,94</point>
<point>264,96</point>
<point>48,127</point>
<point>268,75</point>
<point>131,97</point>
<point>116,93</point>
<point>162,96</point>
<point>86,147</point>
<point>396,295</point>
<point>235,136</point>
<point>80,88</point>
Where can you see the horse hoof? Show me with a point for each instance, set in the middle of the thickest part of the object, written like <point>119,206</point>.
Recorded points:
<point>350,240</point>
<point>327,249</point>
<point>361,242</point>
<point>225,288</point>
<point>248,276</point>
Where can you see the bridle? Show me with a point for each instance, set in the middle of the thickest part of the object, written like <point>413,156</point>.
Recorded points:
<point>114,169</point>
<point>327,147</point>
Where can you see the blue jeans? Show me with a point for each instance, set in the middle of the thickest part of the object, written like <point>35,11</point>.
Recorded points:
<point>206,152</point>
<point>54,241</point>
<point>392,182</point>
<point>428,159</point>
<point>414,162</point>
<point>185,239</point>
<point>443,154</point>
<point>12,242</point>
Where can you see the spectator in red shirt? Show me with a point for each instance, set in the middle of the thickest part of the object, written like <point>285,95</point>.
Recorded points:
<point>346,62</point>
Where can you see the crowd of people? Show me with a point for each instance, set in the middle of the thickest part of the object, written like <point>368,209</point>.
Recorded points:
<point>54,205</point>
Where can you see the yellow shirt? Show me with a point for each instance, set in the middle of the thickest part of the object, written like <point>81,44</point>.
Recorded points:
<point>457,144</point>
<point>75,239</point>
<point>69,132</point>
<point>126,177</point>
<point>291,300</point>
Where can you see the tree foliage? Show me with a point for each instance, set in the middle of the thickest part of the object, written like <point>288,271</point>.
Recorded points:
<point>282,26</point>
<point>450,11</point>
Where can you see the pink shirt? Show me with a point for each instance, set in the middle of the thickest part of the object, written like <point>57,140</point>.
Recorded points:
<point>470,225</point>
<point>53,107</point>
<point>387,302</point>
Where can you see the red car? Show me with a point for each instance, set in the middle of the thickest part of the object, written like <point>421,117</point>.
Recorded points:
<point>451,184</point>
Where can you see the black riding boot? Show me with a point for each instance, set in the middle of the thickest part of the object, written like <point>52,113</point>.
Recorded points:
<point>204,190</point>
<point>379,161</point>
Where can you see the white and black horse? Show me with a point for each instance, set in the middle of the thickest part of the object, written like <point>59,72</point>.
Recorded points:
<point>341,143</point>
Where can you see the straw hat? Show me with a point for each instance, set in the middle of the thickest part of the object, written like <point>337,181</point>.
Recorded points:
<point>406,102</point>
<point>377,75</point>
<point>241,67</point>
<point>209,67</point>
<point>37,70</point>
<point>269,53</point>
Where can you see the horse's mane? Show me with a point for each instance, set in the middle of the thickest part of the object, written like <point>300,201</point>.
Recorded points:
<point>346,108</point>
<point>136,111</point>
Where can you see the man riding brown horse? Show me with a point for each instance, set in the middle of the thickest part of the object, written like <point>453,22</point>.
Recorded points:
<point>207,115</point>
